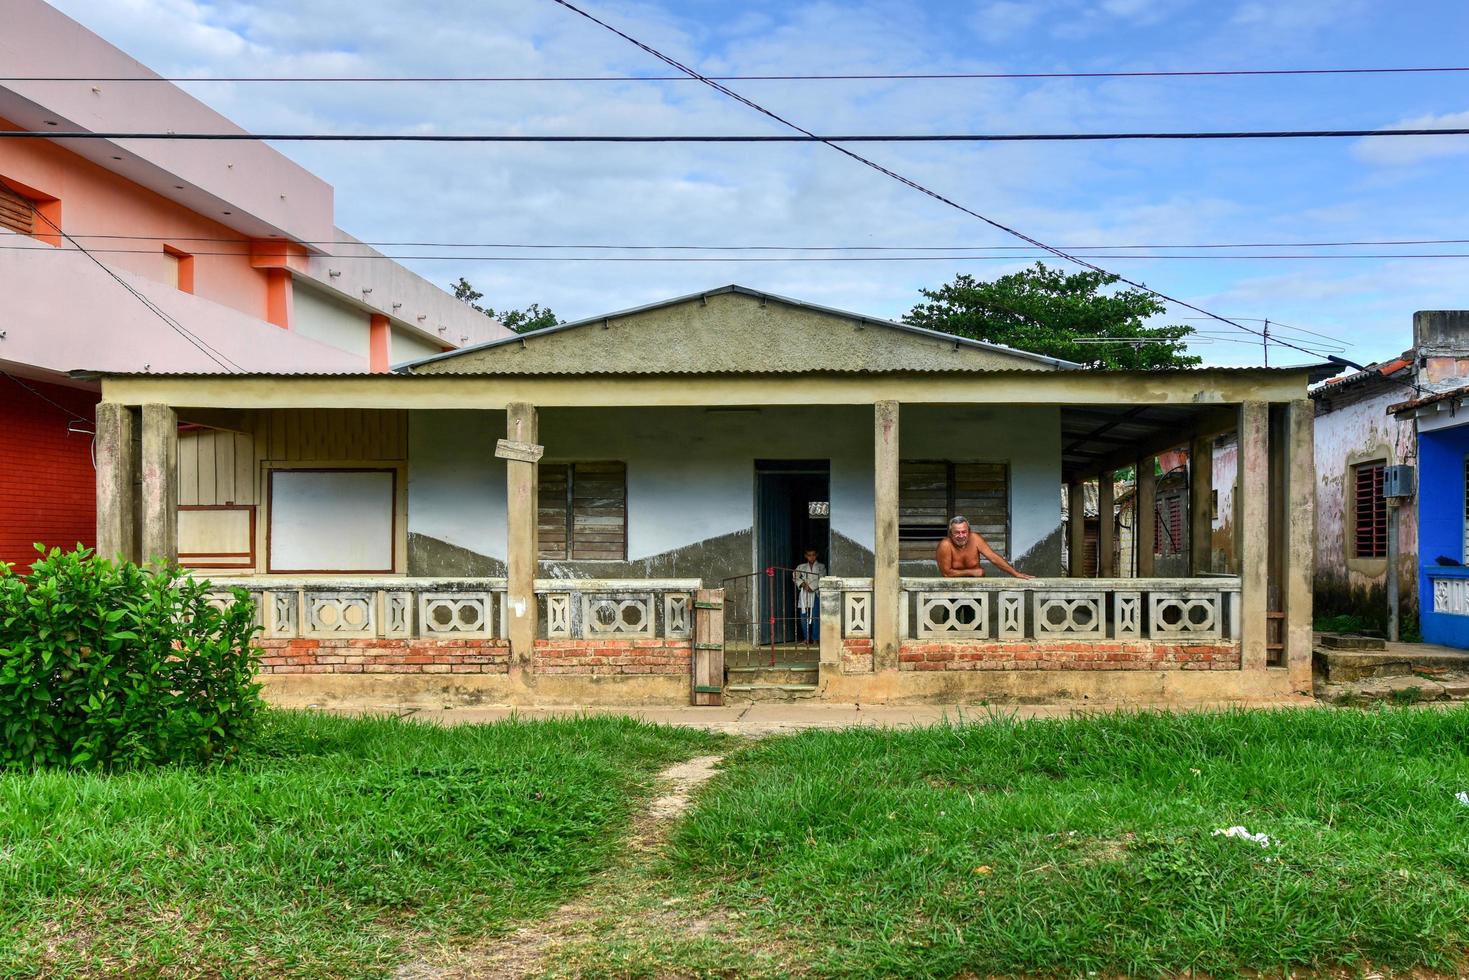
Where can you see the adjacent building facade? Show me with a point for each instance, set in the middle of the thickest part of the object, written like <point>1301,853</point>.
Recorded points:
<point>137,255</point>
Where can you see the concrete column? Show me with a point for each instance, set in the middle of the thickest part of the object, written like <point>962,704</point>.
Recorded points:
<point>1145,515</point>
<point>1300,552</point>
<point>160,487</point>
<point>1254,530</point>
<point>831,631</point>
<point>1106,527</point>
<point>885,592</point>
<point>1076,528</point>
<point>1201,506</point>
<point>116,472</point>
<point>522,492</point>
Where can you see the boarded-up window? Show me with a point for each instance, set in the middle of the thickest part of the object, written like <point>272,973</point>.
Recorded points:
<point>1168,526</point>
<point>217,536</point>
<point>339,520</point>
<point>932,491</point>
<point>583,511</point>
<point>1370,511</point>
<point>16,212</point>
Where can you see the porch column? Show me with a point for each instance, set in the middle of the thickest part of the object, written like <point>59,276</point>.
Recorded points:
<point>160,490</point>
<point>885,592</point>
<point>1300,540</point>
<point>1076,528</point>
<point>1106,527</point>
<point>115,475</point>
<point>1254,531</point>
<point>1145,515</point>
<point>1201,505</point>
<point>522,490</point>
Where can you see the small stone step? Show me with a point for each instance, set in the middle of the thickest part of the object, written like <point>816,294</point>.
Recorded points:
<point>770,692</point>
<point>1352,641</point>
<point>797,674</point>
<point>1407,690</point>
<point>1347,666</point>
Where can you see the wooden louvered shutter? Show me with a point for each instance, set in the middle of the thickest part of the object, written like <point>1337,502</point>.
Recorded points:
<point>930,492</point>
<point>599,511</point>
<point>551,509</point>
<point>1371,511</point>
<point>16,212</point>
<point>981,492</point>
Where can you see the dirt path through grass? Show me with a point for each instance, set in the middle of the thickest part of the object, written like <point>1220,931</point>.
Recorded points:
<point>531,950</point>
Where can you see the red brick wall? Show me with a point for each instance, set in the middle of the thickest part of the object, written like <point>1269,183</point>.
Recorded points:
<point>49,493</point>
<point>856,656</point>
<point>332,656</point>
<point>614,656</point>
<point>1068,655</point>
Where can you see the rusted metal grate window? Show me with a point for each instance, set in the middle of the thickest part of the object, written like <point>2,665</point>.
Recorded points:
<point>1168,526</point>
<point>582,511</point>
<point>1370,510</point>
<point>932,491</point>
<point>16,212</point>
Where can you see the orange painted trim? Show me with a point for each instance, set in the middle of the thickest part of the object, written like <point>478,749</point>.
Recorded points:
<point>186,268</point>
<point>380,342</point>
<point>277,253</point>
<point>279,298</point>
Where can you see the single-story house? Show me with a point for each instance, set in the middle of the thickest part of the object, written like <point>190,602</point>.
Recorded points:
<point>531,519</point>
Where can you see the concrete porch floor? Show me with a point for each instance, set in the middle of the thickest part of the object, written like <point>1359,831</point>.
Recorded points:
<point>772,718</point>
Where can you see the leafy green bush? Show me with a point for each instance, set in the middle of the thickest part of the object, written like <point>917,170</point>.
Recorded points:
<point>105,665</point>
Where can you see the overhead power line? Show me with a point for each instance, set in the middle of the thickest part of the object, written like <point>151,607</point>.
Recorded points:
<point>785,248</point>
<point>854,76</point>
<point>805,137</point>
<point>909,182</point>
<point>930,257</point>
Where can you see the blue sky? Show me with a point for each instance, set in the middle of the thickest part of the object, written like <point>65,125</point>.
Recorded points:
<point>1066,194</point>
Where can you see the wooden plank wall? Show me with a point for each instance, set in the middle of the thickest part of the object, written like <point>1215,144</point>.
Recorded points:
<point>222,467</point>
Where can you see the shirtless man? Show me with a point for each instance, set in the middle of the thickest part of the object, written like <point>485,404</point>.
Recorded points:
<point>959,553</point>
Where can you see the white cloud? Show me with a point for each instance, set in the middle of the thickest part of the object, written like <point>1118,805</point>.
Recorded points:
<point>1399,151</point>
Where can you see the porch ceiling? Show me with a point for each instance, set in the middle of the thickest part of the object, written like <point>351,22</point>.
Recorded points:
<point>1097,437</point>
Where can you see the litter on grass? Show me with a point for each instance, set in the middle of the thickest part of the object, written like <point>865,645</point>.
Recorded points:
<point>1462,798</point>
<point>1262,839</point>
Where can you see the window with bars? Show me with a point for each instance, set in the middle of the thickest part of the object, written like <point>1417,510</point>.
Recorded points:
<point>932,491</point>
<point>1168,526</point>
<point>582,511</point>
<point>1369,510</point>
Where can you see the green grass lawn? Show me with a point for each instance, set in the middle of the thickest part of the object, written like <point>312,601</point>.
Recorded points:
<point>334,845</point>
<point>1067,847</point>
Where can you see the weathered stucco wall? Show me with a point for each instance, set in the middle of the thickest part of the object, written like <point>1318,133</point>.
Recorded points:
<point>691,481</point>
<point>1350,429</point>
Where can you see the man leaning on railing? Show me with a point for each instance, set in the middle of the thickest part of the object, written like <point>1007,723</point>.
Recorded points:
<point>959,553</point>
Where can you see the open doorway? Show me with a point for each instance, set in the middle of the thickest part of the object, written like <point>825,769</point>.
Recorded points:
<point>792,514</point>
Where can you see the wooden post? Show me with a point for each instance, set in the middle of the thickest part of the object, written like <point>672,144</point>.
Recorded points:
<point>1200,506</point>
<point>1145,515</point>
<point>522,547</point>
<point>115,474</point>
<point>1300,557</point>
<point>1106,526</point>
<point>885,593</point>
<point>1076,528</point>
<point>160,472</point>
<point>708,679</point>
<point>1253,531</point>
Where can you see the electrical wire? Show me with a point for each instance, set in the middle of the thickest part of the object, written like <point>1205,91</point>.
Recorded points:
<point>807,137</point>
<point>893,76</point>
<point>198,342</point>
<point>42,395</point>
<point>909,182</point>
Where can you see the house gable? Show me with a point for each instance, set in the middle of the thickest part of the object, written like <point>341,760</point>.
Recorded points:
<point>731,330</point>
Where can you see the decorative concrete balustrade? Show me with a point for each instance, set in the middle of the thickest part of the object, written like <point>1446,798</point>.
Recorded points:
<point>383,608</point>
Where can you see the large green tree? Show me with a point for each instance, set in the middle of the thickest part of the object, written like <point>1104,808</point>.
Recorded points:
<point>1065,315</point>
<point>521,321</point>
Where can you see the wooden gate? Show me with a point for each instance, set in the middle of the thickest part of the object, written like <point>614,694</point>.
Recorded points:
<point>707,685</point>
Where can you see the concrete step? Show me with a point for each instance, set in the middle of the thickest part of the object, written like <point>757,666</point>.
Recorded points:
<point>1352,641</point>
<point>1345,667</point>
<point>769,692</point>
<point>798,674</point>
<point>1405,690</point>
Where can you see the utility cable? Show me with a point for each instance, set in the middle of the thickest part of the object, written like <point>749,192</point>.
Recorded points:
<point>806,137</point>
<point>53,403</point>
<point>893,76</point>
<point>865,161</point>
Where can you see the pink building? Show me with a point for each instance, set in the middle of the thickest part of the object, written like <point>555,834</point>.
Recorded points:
<point>204,256</point>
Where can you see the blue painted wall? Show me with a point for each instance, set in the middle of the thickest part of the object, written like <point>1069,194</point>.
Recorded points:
<point>1441,526</point>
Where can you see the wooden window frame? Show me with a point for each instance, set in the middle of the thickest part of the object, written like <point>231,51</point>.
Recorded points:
<point>1375,529</point>
<point>568,552</point>
<point>46,223</point>
<point>186,268</point>
<point>247,556</point>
